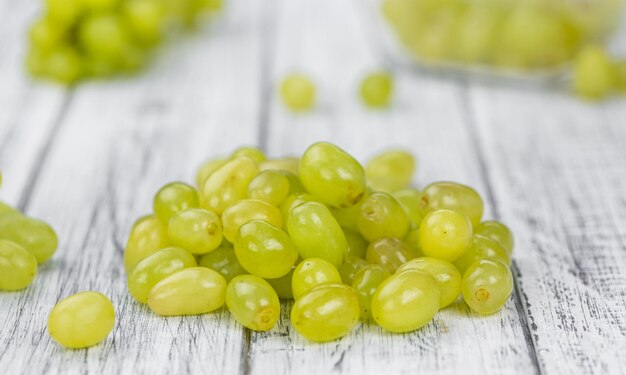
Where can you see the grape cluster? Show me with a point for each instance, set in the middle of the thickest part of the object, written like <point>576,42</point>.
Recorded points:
<point>77,39</point>
<point>348,243</point>
<point>598,75</point>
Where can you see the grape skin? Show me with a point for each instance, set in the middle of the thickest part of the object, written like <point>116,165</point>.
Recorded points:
<point>487,285</point>
<point>446,275</point>
<point>390,171</point>
<point>34,235</point>
<point>247,210</point>
<point>173,198</point>
<point>445,234</point>
<point>313,272</point>
<point>224,261</point>
<point>298,92</point>
<point>253,302</point>
<point>18,267</point>
<point>196,230</point>
<point>147,236</point>
<point>380,215</point>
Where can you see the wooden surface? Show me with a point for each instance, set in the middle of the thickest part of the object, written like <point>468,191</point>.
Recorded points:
<point>88,160</point>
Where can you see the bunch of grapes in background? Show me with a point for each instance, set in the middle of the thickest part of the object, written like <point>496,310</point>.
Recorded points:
<point>78,39</point>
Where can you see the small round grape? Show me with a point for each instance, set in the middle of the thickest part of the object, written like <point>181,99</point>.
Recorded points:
<point>376,89</point>
<point>298,92</point>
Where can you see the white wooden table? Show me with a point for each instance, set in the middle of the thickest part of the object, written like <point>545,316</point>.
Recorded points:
<point>88,160</point>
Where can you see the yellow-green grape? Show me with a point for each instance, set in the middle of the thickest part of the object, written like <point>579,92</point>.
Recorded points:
<point>6,209</point>
<point>411,201</point>
<point>332,175</point>
<point>191,291</point>
<point>620,67</point>
<point>104,36</point>
<point>445,234</point>
<point>247,210</point>
<point>18,267</point>
<point>172,198</point>
<point>350,268</point>
<point>147,236</point>
<point>269,186</point>
<point>297,92</point>
<point>497,231</point>
<point>45,35</point>
<point>282,285</point>
<point>326,312</point>
<point>64,64</point>
<point>99,5</point>
<point>412,240</point>
<point>453,196</point>
<point>252,152</point>
<point>436,39</point>
<point>316,233</point>
<point>206,169</point>
<point>37,237</point>
<point>476,34</point>
<point>81,320</point>
<point>446,275</point>
<point>357,245</point>
<point>391,170</point>
<point>145,19</point>
<point>376,89</point>
<point>265,250</point>
<point>224,261</point>
<point>482,247</point>
<point>382,216</point>
<point>487,285</point>
<point>365,283</point>
<point>196,230</point>
<point>313,272</point>
<point>253,302</point>
<point>595,74</point>
<point>155,268</point>
<point>229,183</point>
<point>64,12</point>
<point>390,253</point>
<point>285,164</point>
<point>295,185</point>
<point>406,301</point>
<point>347,217</point>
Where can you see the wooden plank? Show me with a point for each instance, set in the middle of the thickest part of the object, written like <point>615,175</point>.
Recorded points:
<point>327,41</point>
<point>558,170</point>
<point>119,142</point>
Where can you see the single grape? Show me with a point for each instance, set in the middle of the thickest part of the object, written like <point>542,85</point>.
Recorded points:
<point>350,268</point>
<point>497,231</point>
<point>482,247</point>
<point>476,34</point>
<point>81,320</point>
<point>104,36</point>
<point>196,230</point>
<point>357,245</point>
<point>453,196</point>
<point>191,291</point>
<point>445,234</point>
<point>487,285</point>
<point>365,283</point>
<point>271,187</point>
<point>595,74</point>
<point>229,183</point>
<point>412,240</point>
<point>247,210</point>
<point>147,236</point>
<point>64,64</point>
<point>252,152</point>
<point>224,261</point>
<point>18,267</point>
<point>295,184</point>
<point>99,5</point>
<point>382,216</point>
<point>45,35</point>
<point>6,209</point>
<point>282,285</point>
<point>326,312</point>
<point>313,272</point>
<point>173,198</point>
<point>411,201</point>
<point>376,89</point>
<point>64,12</point>
<point>391,170</point>
<point>37,237</point>
<point>389,253</point>
<point>332,175</point>
<point>297,92</point>
<point>253,302</point>
<point>446,275</point>
<point>291,165</point>
<point>435,40</point>
<point>146,20</point>
<point>292,201</point>
<point>206,169</point>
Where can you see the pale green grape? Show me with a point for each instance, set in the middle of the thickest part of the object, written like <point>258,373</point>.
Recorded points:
<point>196,230</point>
<point>445,234</point>
<point>206,169</point>
<point>229,183</point>
<point>99,5</point>
<point>406,301</point>
<point>476,34</point>
<point>224,261</point>
<point>247,210</point>
<point>487,285</point>
<point>64,12</point>
<point>81,320</point>
<point>172,198</point>
<point>347,217</point>
<point>269,186</point>
<point>155,268</point>
<point>5,208</point>
<point>37,237</point>
<point>357,245</point>
<point>104,36</point>
<point>191,291</point>
<point>145,19</point>
<point>446,275</point>
<point>382,216</point>
<point>376,89</point>
<point>332,175</point>
<point>453,196</point>
<point>18,267</point>
<point>390,253</point>
<point>297,92</point>
<point>411,201</point>
<point>365,283</point>
<point>316,233</point>
<point>412,240</point>
<point>295,185</point>
<point>482,247</point>
<point>147,236</point>
<point>391,170</point>
<point>350,268</point>
<point>265,250</point>
<point>313,272</point>
<point>64,65</point>
<point>253,302</point>
<point>252,152</point>
<point>285,164</point>
<point>326,312</point>
<point>45,35</point>
<point>497,231</point>
<point>595,74</point>
<point>436,39</point>
<point>282,285</point>
<point>292,201</point>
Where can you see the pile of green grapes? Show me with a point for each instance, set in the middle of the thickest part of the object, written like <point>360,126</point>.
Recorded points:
<point>78,39</point>
<point>597,74</point>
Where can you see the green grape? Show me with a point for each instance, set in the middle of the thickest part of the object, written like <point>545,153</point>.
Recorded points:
<point>326,312</point>
<point>229,183</point>
<point>316,233</point>
<point>620,67</point>
<point>132,59</point>
<point>291,165</point>
<point>253,302</point>
<point>191,291</point>
<point>482,247</point>
<point>411,201</point>
<point>595,74</point>
<point>365,283</point>
<point>247,210</point>
<point>295,185</point>
<point>453,196</point>
<point>297,92</point>
<point>206,169</point>
<point>436,41</point>
<point>390,253</point>
<point>81,320</point>
<point>224,261</point>
<point>174,197</point>
<point>196,230</point>
<point>376,89</point>
<point>347,217</point>
<point>476,34</point>
<point>269,186</point>
<point>406,301</point>
<point>36,63</point>
<point>487,285</point>
<point>446,275</point>
<point>99,5</point>
<point>313,272</point>
<point>96,68</point>
<point>497,231</point>
<point>37,237</point>
<point>382,216</point>
<point>46,36</point>
<point>282,285</point>
<point>265,250</point>
<point>155,268</point>
<point>251,152</point>
<point>64,12</point>
<point>332,175</point>
<point>357,245</point>
<point>390,171</point>
<point>18,267</point>
<point>292,201</point>
<point>412,240</point>
<point>445,234</point>
<point>5,209</point>
<point>147,236</point>
<point>145,19</point>
<point>64,65</point>
<point>350,268</point>
<point>104,36</point>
